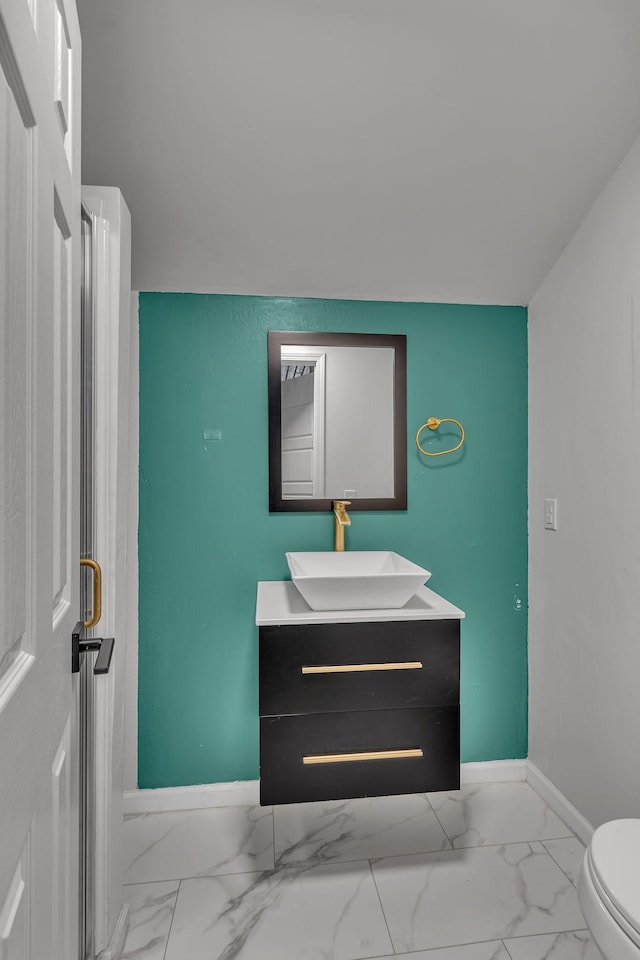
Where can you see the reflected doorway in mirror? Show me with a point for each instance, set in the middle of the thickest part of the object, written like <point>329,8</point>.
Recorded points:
<point>302,422</point>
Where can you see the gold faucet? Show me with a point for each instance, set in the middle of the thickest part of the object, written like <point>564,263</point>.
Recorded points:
<point>341,520</point>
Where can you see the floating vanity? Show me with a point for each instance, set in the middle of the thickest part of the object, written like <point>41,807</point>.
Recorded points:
<point>357,703</point>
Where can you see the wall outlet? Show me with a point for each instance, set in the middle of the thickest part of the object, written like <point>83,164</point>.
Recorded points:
<point>551,514</point>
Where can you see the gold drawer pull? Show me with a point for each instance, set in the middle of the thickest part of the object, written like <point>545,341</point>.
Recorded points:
<point>361,667</point>
<point>372,755</point>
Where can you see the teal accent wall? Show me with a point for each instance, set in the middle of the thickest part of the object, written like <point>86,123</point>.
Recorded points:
<point>206,536</point>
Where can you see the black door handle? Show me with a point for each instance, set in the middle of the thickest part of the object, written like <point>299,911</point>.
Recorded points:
<point>103,660</point>
<point>81,644</point>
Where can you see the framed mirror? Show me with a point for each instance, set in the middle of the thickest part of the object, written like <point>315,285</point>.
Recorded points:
<point>337,420</point>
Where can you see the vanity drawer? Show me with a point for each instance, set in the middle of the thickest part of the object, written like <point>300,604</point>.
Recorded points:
<point>427,739</point>
<point>321,668</point>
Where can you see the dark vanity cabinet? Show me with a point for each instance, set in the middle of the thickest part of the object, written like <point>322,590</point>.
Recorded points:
<point>359,709</point>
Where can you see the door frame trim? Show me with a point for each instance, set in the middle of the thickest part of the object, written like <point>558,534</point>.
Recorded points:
<point>111,302</point>
<point>116,945</point>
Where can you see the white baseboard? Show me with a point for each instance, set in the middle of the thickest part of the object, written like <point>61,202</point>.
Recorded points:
<point>247,792</point>
<point>559,803</point>
<point>493,771</point>
<point>240,793</point>
<point>116,947</point>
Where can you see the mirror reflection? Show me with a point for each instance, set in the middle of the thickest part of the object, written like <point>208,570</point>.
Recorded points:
<point>337,432</point>
<point>337,422</point>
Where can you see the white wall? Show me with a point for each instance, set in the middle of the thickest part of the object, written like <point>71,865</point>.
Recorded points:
<point>584,396</point>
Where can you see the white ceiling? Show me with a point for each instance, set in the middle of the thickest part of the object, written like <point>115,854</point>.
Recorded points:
<point>378,149</point>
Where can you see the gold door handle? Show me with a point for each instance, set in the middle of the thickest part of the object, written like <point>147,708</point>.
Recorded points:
<point>362,667</point>
<point>97,591</point>
<point>371,755</point>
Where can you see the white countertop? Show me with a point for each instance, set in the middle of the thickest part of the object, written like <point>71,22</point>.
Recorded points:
<point>279,602</point>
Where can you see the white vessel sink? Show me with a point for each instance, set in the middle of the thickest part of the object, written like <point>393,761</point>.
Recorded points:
<point>355,580</point>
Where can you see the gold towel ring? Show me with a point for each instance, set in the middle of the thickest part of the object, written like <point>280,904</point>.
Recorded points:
<point>433,423</point>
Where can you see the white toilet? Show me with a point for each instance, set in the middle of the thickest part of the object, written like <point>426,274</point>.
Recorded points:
<point>609,889</point>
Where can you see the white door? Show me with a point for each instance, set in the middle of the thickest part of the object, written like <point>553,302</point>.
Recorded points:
<point>39,464</point>
<point>296,397</point>
<point>302,422</point>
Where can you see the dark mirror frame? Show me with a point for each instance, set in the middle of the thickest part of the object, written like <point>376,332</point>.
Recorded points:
<point>278,338</point>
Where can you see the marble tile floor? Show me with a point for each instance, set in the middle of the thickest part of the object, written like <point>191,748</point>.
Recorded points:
<point>484,873</point>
